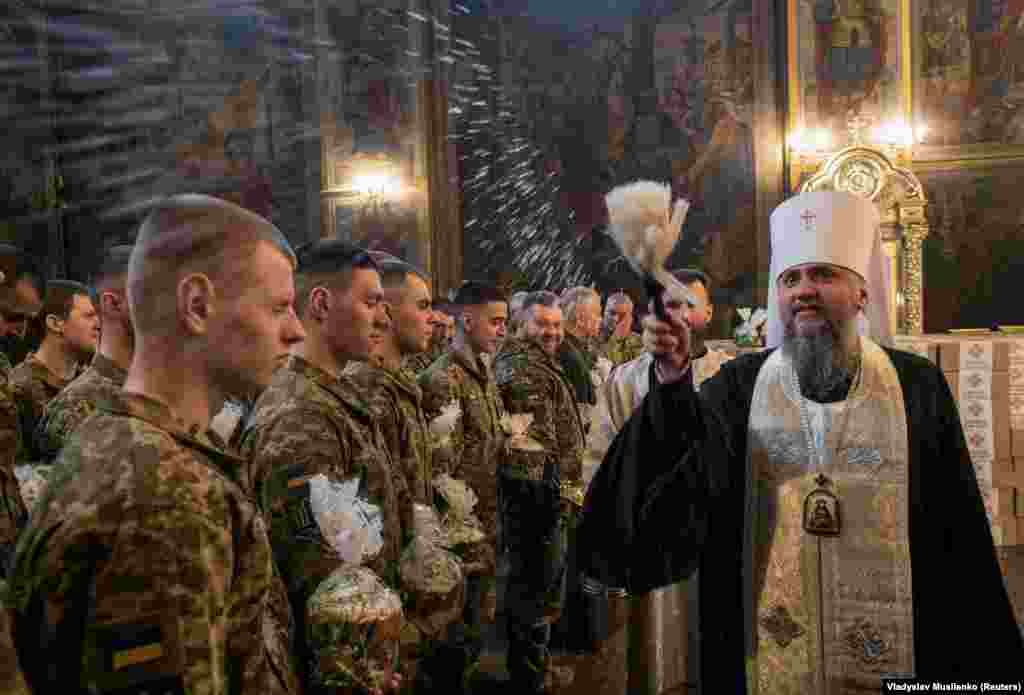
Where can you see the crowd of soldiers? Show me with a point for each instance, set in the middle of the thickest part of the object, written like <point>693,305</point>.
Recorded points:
<point>180,420</point>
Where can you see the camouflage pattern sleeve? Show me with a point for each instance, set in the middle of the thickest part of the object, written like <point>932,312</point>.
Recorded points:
<point>172,601</point>
<point>527,389</point>
<point>13,512</point>
<point>438,389</point>
<point>60,418</point>
<point>12,682</point>
<point>284,454</point>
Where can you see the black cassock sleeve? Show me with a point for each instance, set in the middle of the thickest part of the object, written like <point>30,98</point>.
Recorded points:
<point>648,511</point>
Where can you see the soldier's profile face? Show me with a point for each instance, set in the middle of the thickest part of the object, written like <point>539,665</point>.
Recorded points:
<point>621,317</point>
<point>257,326</point>
<point>359,317</point>
<point>588,318</point>
<point>82,326</point>
<point>544,324</point>
<point>18,307</point>
<point>486,325</point>
<point>413,316</point>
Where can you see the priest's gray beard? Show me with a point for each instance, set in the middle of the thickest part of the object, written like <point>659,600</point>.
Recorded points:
<point>824,366</point>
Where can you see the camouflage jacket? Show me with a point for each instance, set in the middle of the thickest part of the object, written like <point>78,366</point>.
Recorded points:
<point>532,382</point>
<point>12,682</point>
<point>305,424</point>
<point>478,439</point>
<point>620,350</point>
<point>397,402</point>
<point>75,404</point>
<point>577,358</point>
<point>33,386</point>
<point>419,362</point>
<point>12,512</point>
<point>147,566</point>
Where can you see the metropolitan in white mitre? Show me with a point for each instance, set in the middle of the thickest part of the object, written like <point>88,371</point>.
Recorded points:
<point>823,488</point>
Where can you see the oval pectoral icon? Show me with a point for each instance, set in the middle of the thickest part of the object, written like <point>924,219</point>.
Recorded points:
<point>821,510</point>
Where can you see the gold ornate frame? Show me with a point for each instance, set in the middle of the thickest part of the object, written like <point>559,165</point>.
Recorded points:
<point>796,115</point>
<point>870,173</point>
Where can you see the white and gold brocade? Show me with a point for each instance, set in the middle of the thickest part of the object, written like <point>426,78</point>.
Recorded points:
<point>833,612</point>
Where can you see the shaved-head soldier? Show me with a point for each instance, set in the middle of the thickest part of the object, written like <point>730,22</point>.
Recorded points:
<point>147,566</point>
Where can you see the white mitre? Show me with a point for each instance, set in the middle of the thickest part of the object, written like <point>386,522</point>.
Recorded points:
<point>837,228</point>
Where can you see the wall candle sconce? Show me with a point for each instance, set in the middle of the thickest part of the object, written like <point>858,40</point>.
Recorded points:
<point>810,148</point>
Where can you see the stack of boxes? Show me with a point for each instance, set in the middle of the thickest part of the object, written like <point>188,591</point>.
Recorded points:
<point>986,376</point>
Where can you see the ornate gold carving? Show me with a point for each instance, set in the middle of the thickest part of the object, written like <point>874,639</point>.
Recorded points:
<point>871,174</point>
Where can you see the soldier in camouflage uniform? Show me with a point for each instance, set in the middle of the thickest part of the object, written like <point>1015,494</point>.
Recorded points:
<point>462,376</point>
<point>621,344</point>
<point>147,567</point>
<point>70,329</point>
<point>21,291</point>
<point>109,368</point>
<point>390,388</point>
<point>443,332</point>
<point>312,421</point>
<point>396,400</point>
<point>538,505</point>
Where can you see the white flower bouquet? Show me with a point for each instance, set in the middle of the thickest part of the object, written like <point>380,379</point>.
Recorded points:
<point>443,426</point>
<point>515,428</point>
<point>750,333</point>
<point>460,525</point>
<point>353,618</point>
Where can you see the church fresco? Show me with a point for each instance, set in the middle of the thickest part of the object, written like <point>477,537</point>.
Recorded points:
<point>661,92</point>
<point>969,71</point>
<point>974,256</point>
<point>846,57</point>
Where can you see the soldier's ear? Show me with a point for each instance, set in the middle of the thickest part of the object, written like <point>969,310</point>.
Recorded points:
<point>319,303</point>
<point>196,295</point>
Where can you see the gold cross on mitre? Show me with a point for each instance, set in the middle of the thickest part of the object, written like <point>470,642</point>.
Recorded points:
<point>808,219</point>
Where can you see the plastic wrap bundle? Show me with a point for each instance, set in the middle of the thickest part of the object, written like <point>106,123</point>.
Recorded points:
<point>442,428</point>
<point>353,619</point>
<point>462,529</point>
<point>32,481</point>
<point>525,457</point>
<point>431,574</point>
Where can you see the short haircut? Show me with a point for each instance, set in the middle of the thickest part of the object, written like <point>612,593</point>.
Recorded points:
<point>688,276</point>
<point>394,271</point>
<point>541,298</point>
<point>617,298</point>
<point>111,269</point>
<point>18,265</point>
<point>192,233</point>
<point>328,263</point>
<point>476,293</point>
<point>516,301</point>
<point>574,296</point>
<point>60,298</point>
<point>444,306</point>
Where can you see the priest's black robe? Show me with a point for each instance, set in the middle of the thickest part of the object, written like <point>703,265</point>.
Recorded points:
<point>669,497</point>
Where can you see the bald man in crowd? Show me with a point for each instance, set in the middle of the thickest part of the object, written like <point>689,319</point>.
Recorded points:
<point>147,567</point>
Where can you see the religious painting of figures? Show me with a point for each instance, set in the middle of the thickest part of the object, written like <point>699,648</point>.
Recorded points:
<point>974,255</point>
<point>969,72</point>
<point>846,59</point>
<point>369,131</point>
<point>577,98</point>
